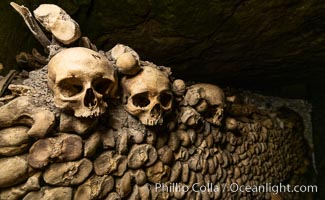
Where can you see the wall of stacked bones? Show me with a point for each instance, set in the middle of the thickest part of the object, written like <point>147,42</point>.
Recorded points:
<point>91,124</point>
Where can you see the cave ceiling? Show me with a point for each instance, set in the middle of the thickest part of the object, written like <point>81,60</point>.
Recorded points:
<point>246,43</point>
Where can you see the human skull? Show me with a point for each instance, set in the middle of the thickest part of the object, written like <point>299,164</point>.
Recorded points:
<point>148,95</point>
<point>80,79</point>
<point>207,99</point>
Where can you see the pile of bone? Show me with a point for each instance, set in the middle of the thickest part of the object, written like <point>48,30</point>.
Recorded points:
<point>121,139</point>
<point>116,156</point>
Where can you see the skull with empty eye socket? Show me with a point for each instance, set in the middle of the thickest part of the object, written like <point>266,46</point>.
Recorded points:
<point>80,79</point>
<point>208,100</point>
<point>148,95</point>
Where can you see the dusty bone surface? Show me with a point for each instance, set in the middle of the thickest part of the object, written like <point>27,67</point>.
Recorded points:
<point>63,147</point>
<point>14,140</point>
<point>13,170</point>
<point>19,191</point>
<point>173,133</point>
<point>58,22</point>
<point>68,173</point>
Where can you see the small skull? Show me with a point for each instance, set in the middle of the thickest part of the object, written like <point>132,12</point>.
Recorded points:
<point>207,99</point>
<point>148,95</point>
<point>80,79</point>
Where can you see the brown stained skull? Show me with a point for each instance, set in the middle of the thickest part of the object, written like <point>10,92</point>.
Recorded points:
<point>148,95</point>
<point>80,79</point>
<point>207,99</point>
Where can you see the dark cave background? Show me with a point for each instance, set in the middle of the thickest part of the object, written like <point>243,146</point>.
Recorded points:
<point>272,47</point>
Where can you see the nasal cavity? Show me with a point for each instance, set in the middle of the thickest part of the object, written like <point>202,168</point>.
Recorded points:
<point>156,111</point>
<point>90,98</point>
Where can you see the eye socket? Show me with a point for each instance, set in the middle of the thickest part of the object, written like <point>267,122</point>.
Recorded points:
<point>101,85</point>
<point>141,99</point>
<point>165,99</point>
<point>211,111</point>
<point>70,87</point>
